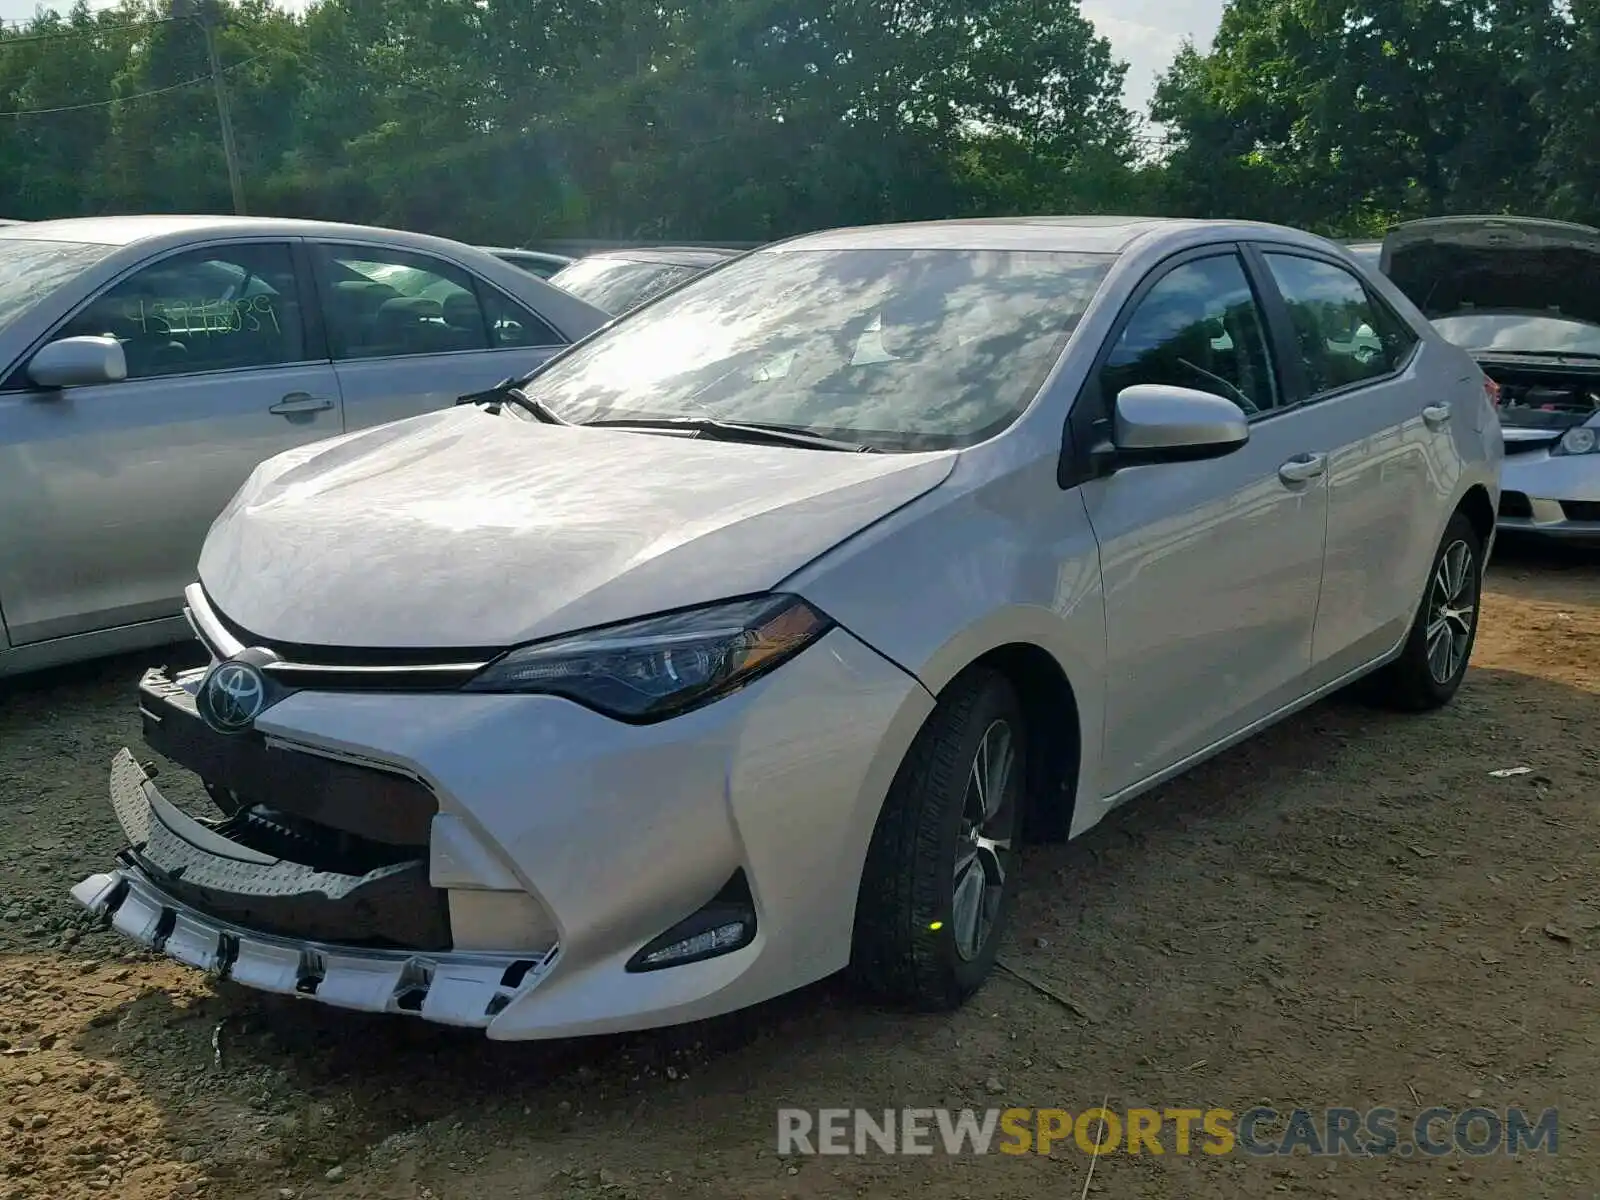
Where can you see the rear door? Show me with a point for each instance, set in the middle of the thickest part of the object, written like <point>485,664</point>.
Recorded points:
<point>108,491</point>
<point>410,332</point>
<point>1353,363</point>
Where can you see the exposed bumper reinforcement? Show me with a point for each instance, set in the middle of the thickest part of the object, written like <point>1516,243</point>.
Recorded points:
<point>357,799</point>
<point>194,863</point>
<point>452,989</point>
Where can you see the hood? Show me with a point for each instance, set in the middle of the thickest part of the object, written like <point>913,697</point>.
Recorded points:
<point>462,529</point>
<point>1450,264</point>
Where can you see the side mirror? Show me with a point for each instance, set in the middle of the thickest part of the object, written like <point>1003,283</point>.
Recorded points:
<point>1157,423</point>
<point>78,362</point>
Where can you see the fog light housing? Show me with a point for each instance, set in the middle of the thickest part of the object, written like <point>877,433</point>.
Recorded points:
<point>726,923</point>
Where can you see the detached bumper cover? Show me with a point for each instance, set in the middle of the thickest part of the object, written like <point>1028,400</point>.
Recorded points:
<point>455,989</point>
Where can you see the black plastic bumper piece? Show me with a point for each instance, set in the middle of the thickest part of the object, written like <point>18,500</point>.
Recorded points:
<point>391,906</point>
<point>369,803</point>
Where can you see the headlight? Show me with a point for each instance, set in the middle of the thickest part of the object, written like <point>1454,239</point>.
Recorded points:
<point>658,667</point>
<point>1582,440</point>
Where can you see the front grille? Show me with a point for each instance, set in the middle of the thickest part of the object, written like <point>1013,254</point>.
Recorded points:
<point>1527,447</point>
<point>1581,510</point>
<point>1515,504</point>
<point>338,668</point>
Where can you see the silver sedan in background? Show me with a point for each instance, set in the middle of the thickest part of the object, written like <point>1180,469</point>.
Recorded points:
<point>147,364</point>
<point>621,280</point>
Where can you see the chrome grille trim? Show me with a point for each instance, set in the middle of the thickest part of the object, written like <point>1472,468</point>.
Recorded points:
<point>220,641</point>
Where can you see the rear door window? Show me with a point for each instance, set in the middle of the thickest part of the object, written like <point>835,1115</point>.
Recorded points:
<point>384,303</point>
<point>1345,335</point>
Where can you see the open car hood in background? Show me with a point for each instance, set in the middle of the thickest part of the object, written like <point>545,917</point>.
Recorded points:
<point>1449,265</point>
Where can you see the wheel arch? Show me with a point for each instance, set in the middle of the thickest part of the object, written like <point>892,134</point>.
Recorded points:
<point>1050,705</point>
<point>1055,735</point>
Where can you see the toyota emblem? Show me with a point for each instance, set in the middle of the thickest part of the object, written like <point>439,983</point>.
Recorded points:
<point>231,696</point>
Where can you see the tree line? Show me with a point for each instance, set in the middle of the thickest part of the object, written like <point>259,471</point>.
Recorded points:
<point>509,121</point>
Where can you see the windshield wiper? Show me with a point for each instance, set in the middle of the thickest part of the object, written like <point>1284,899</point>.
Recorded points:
<point>737,431</point>
<point>510,390</point>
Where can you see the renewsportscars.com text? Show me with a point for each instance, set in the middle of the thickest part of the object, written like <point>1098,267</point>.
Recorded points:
<point>1260,1131</point>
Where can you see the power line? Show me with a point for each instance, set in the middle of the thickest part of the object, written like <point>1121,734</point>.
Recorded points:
<point>95,9</point>
<point>70,34</point>
<point>37,112</point>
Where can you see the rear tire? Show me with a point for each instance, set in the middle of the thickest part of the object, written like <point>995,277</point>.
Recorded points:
<point>1434,659</point>
<point>939,880</point>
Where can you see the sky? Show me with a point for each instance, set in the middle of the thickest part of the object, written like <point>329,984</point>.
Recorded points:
<point>1144,33</point>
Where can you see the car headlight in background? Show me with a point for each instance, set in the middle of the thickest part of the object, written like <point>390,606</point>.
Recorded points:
<point>661,666</point>
<point>1585,439</point>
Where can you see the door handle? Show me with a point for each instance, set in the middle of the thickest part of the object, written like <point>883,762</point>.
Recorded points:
<point>1303,467</point>
<point>301,402</point>
<point>1436,415</point>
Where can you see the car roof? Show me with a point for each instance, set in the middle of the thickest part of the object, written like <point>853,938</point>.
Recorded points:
<point>1083,234</point>
<point>686,256</point>
<point>126,230</point>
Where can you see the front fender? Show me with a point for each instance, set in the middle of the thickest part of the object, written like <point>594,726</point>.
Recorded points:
<point>978,564</point>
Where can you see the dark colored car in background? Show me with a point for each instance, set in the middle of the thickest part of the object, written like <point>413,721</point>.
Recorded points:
<point>618,280</point>
<point>536,262</point>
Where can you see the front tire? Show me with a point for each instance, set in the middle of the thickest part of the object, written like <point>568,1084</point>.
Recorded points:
<point>939,880</point>
<point>1434,660</point>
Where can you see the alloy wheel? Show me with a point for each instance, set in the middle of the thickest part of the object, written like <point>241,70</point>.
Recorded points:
<point>1452,612</point>
<point>983,844</point>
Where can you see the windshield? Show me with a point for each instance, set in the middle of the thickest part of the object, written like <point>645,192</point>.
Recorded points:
<point>615,285</point>
<point>900,349</point>
<point>1520,331</point>
<point>30,270</point>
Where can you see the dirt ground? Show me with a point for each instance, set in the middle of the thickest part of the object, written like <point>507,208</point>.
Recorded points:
<point>1349,910</point>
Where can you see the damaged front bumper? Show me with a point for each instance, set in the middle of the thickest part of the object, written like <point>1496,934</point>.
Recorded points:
<point>514,863</point>
<point>228,897</point>
<point>190,892</point>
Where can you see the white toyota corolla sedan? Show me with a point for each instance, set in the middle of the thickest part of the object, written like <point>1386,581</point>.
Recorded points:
<point>746,640</point>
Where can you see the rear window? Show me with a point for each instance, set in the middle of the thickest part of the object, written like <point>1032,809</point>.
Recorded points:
<point>615,285</point>
<point>31,269</point>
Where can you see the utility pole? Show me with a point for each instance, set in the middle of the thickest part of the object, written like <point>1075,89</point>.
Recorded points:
<point>208,13</point>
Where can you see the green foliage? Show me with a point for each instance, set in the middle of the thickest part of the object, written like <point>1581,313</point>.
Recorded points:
<point>1347,115</point>
<point>510,120</point>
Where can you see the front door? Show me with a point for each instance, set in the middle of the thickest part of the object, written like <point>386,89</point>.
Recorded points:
<point>410,332</point>
<point>1211,569</point>
<point>108,491</point>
